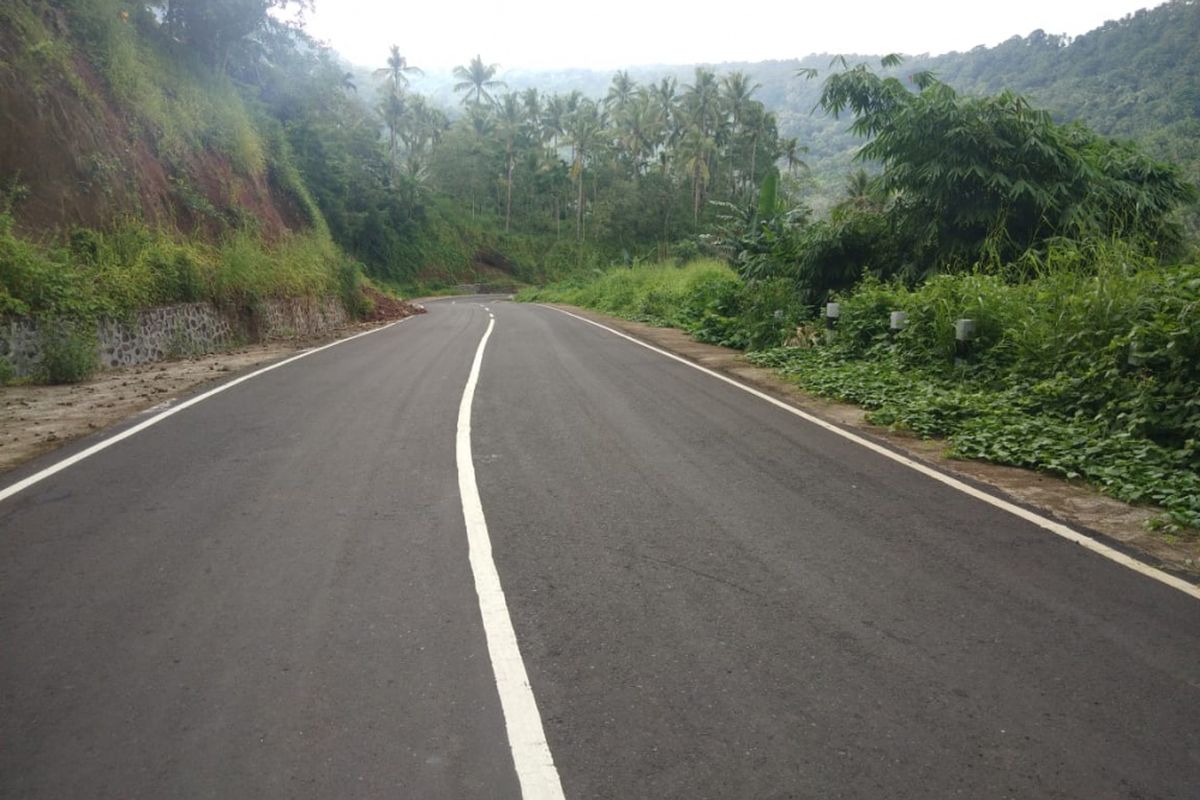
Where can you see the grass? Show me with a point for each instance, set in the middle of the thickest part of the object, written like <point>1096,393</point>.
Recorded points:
<point>703,297</point>
<point>115,273</point>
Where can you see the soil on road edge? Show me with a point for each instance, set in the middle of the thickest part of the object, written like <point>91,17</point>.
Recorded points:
<point>1072,502</point>
<point>36,419</point>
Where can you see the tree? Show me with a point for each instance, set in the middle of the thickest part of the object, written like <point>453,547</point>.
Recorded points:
<point>619,93</point>
<point>397,71</point>
<point>392,109</point>
<point>695,150</point>
<point>476,79</point>
<point>220,30</point>
<point>510,119</point>
<point>791,155</point>
<point>584,128</point>
<point>990,178</point>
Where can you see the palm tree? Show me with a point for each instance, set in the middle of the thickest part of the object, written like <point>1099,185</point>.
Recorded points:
<point>532,103</point>
<point>663,95</point>
<point>554,113</point>
<point>509,121</point>
<point>620,92</point>
<point>863,192</point>
<point>639,129</point>
<point>584,128</point>
<point>397,71</point>
<point>476,79</point>
<point>738,90</point>
<point>392,108</point>
<point>695,150</point>
<point>701,102</point>
<point>791,155</point>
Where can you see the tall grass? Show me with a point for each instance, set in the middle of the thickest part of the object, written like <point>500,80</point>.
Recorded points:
<point>705,298</point>
<point>115,273</point>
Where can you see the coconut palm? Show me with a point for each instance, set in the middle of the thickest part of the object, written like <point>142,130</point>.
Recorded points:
<point>392,109</point>
<point>584,128</point>
<point>737,91</point>
<point>554,114</point>
<point>791,155</point>
<point>476,79</point>
<point>510,119</point>
<point>702,102</point>
<point>695,150</point>
<point>620,92</point>
<point>397,71</point>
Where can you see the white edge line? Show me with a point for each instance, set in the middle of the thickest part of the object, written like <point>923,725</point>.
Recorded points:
<point>59,466</point>
<point>1037,519</point>
<point>531,753</point>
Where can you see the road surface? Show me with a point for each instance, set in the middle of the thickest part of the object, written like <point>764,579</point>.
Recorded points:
<point>271,594</point>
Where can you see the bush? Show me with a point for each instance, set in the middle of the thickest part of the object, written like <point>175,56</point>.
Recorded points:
<point>68,351</point>
<point>1089,370</point>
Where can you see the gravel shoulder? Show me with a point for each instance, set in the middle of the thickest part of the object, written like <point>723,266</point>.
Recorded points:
<point>1070,501</point>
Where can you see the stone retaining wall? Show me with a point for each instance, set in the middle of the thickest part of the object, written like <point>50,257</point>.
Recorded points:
<point>165,332</point>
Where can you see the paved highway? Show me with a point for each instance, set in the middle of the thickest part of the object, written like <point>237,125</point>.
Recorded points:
<point>283,591</point>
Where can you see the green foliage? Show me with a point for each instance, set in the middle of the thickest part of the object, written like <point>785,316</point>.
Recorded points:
<point>989,179</point>
<point>115,273</point>
<point>1087,370</point>
<point>68,351</point>
<point>704,298</point>
<point>175,101</point>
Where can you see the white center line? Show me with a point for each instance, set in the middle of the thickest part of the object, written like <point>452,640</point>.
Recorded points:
<point>1057,528</point>
<point>531,753</point>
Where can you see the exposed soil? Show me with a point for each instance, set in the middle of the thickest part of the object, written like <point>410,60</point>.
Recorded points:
<point>385,307</point>
<point>1070,501</point>
<point>37,419</point>
<point>84,161</point>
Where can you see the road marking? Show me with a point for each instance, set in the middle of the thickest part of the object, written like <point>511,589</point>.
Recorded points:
<point>531,753</point>
<point>1046,523</point>
<point>37,477</point>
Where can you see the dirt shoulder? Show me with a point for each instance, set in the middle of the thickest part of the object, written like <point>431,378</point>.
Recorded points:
<point>37,419</point>
<point>1069,501</point>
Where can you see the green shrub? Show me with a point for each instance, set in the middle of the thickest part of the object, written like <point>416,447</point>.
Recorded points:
<point>68,351</point>
<point>1090,369</point>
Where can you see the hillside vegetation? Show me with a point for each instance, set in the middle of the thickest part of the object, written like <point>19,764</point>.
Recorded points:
<point>1048,295</point>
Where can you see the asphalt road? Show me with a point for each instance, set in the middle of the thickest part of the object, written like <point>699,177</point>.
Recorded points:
<point>268,594</point>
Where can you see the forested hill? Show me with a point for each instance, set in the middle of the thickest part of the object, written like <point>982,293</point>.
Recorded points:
<point>1138,77</point>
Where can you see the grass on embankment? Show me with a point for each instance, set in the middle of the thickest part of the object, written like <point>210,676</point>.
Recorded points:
<point>114,274</point>
<point>1089,371</point>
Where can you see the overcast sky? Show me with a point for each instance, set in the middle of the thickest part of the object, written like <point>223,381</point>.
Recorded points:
<point>605,35</point>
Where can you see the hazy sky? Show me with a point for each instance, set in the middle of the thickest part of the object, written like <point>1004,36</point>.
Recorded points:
<point>612,33</point>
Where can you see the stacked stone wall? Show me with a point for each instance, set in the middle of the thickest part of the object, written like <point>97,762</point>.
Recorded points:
<point>155,334</point>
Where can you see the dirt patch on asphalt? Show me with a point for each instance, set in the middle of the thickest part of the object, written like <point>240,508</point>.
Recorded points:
<point>37,419</point>
<point>1069,501</point>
